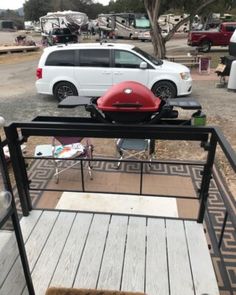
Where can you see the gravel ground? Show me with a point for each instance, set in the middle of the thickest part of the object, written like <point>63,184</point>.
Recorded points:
<point>19,102</point>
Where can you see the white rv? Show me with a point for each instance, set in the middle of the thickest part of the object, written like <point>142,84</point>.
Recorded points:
<point>73,20</point>
<point>123,25</point>
<point>168,21</point>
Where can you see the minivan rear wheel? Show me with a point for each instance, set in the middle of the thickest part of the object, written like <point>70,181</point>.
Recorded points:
<point>164,90</point>
<point>64,89</point>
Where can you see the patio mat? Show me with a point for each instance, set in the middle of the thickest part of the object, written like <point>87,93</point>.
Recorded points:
<point>71,291</point>
<point>41,173</point>
<point>120,182</point>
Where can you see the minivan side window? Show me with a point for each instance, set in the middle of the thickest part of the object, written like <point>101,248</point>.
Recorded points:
<point>126,59</point>
<point>65,58</point>
<point>94,58</point>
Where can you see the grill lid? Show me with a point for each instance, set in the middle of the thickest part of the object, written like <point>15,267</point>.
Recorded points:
<point>129,96</point>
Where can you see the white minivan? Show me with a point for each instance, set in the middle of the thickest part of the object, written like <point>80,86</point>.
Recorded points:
<point>89,69</point>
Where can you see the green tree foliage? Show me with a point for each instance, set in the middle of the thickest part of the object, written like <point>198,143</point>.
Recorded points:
<point>34,9</point>
<point>126,6</point>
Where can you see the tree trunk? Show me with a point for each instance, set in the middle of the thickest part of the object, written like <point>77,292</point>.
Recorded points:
<point>152,8</point>
<point>158,42</point>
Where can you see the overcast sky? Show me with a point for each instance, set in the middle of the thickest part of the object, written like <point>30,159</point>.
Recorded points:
<point>14,4</point>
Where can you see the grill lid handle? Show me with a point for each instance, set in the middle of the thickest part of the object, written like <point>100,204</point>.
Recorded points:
<point>127,105</point>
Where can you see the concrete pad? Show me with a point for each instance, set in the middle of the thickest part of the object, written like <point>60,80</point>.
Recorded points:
<point>116,203</point>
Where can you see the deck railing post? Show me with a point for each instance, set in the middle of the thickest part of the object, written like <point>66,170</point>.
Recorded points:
<point>141,179</point>
<point>15,222</point>
<point>82,173</point>
<point>206,178</point>
<point>22,252</point>
<point>19,169</point>
<point>4,170</point>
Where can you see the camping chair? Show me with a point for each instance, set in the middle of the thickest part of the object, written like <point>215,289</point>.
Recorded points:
<point>71,147</point>
<point>135,148</point>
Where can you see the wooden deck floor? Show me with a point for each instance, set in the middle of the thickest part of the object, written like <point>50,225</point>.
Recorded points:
<point>158,256</point>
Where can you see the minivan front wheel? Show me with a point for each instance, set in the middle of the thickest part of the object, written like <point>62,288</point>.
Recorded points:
<point>164,90</point>
<point>64,89</point>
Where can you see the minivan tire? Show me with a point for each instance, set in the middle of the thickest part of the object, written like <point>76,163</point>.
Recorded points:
<point>64,89</point>
<point>164,90</point>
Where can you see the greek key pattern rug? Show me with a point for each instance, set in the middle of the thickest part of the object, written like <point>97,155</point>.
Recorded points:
<point>41,171</point>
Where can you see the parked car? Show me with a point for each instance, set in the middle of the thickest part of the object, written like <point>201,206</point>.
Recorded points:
<point>215,37</point>
<point>145,36</point>
<point>89,69</point>
<point>61,36</point>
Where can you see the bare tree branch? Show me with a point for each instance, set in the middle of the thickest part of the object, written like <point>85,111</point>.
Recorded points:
<point>186,19</point>
<point>153,11</point>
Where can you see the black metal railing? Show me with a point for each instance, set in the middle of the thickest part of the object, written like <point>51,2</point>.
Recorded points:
<point>12,213</point>
<point>208,137</point>
<point>145,165</point>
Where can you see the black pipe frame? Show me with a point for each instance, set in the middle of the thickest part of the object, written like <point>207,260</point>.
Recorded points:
<point>12,212</point>
<point>87,127</point>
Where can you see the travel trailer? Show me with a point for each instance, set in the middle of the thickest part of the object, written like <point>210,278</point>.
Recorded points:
<point>123,25</point>
<point>168,21</point>
<point>73,20</point>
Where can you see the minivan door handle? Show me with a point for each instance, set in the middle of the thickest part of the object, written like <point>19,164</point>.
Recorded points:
<point>117,73</point>
<point>106,73</point>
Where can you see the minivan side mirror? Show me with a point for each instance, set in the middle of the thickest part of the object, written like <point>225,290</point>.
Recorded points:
<point>143,65</point>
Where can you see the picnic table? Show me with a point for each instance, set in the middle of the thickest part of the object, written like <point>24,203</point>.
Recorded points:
<point>188,60</point>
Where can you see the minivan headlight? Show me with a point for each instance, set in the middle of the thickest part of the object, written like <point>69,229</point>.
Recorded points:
<point>185,75</point>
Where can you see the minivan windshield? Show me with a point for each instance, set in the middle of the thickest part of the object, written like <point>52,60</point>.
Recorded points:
<point>154,60</point>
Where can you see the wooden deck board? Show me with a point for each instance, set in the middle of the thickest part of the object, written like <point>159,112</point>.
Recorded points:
<point>9,253</point>
<point>72,252</point>
<point>111,269</point>
<point>134,264</point>
<point>15,281</point>
<point>201,264</point>
<point>48,259</point>
<point>180,276</point>
<point>158,256</point>
<point>156,277</point>
<point>39,234</point>
<point>89,267</point>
